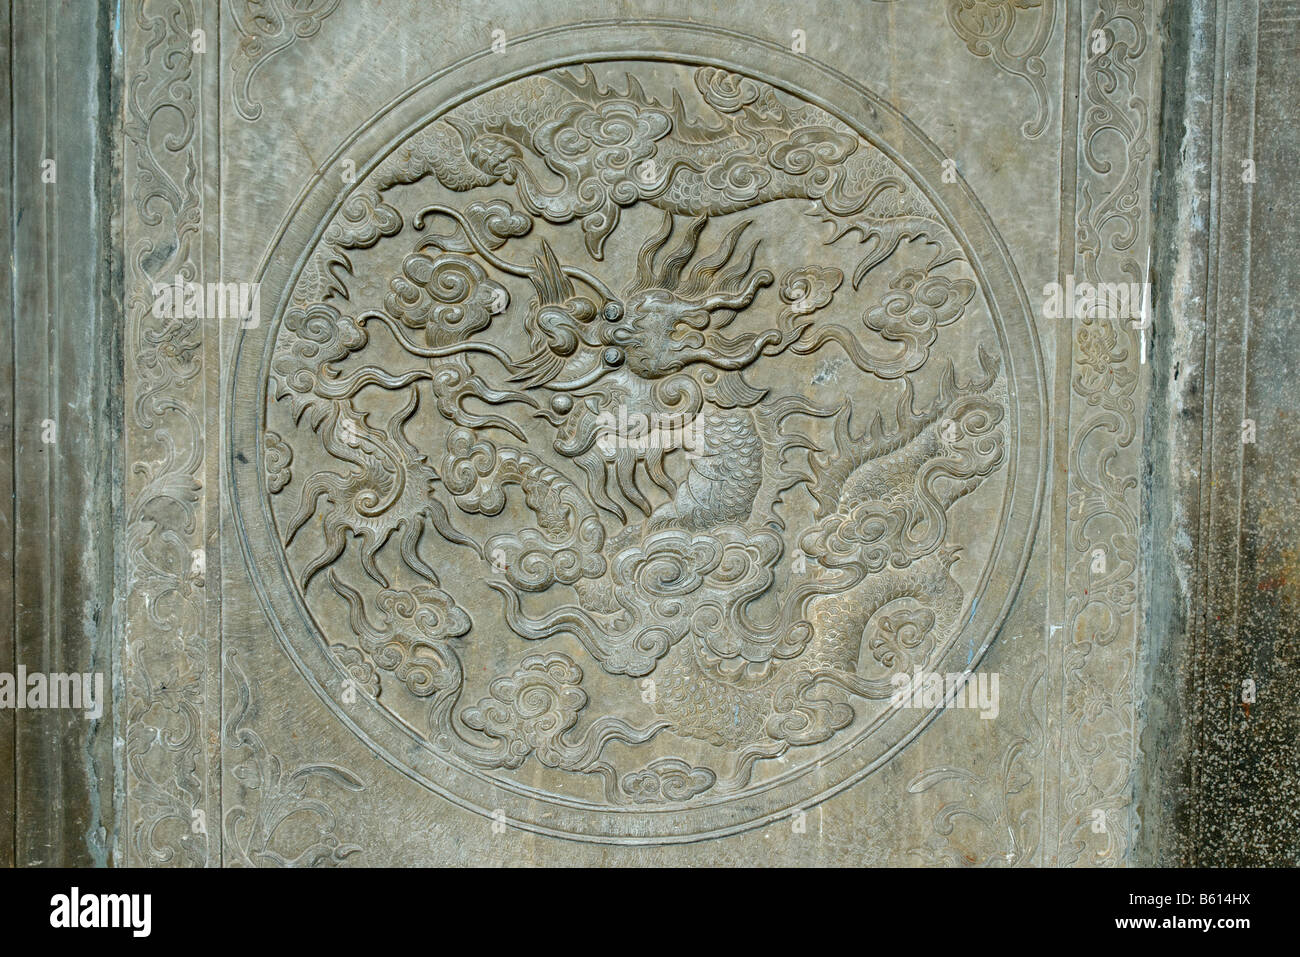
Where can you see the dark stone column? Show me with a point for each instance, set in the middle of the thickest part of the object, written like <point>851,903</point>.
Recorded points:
<point>61,371</point>
<point>1220,783</point>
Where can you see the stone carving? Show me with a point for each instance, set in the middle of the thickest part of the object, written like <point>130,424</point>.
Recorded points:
<point>574,501</point>
<point>255,836</point>
<point>1100,724</point>
<point>999,802</point>
<point>637,575</point>
<point>266,28</point>
<point>166,669</point>
<point>987,26</point>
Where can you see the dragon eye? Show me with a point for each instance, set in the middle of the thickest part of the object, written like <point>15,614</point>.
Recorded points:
<point>613,311</point>
<point>582,309</point>
<point>613,357</point>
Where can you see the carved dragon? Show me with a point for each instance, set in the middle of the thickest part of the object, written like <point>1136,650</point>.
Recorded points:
<point>680,573</point>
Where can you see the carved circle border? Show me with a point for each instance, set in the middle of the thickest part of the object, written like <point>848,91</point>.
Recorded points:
<point>589,42</point>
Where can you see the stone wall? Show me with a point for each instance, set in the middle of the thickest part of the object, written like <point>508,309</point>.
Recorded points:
<point>959,300</point>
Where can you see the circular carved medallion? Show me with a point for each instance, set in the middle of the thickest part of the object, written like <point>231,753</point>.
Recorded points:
<point>626,419</point>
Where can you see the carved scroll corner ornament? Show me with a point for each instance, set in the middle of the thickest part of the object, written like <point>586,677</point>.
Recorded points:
<point>267,28</point>
<point>1004,828</point>
<point>987,28</point>
<point>279,822</point>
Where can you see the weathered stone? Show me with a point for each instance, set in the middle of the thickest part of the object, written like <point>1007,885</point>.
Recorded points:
<point>1220,784</point>
<point>562,442</point>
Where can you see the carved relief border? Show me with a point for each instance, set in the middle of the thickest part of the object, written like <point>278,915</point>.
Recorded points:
<point>1098,720</point>
<point>169,674</point>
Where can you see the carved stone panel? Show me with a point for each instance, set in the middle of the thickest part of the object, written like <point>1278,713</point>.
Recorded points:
<point>649,441</point>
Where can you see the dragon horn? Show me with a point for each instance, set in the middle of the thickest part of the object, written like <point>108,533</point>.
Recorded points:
<point>548,277</point>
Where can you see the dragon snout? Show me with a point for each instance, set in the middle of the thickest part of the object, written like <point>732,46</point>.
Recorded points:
<point>578,321</point>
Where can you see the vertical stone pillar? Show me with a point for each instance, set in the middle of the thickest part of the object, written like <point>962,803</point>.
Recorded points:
<point>1220,782</point>
<point>59,372</point>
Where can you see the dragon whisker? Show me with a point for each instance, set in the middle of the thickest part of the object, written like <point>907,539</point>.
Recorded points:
<point>438,352</point>
<point>585,379</point>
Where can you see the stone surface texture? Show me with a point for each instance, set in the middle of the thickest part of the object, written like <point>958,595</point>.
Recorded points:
<point>629,398</point>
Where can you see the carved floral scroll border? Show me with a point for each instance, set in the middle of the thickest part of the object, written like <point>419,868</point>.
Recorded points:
<point>173,810</point>
<point>1098,727</point>
<point>165,660</point>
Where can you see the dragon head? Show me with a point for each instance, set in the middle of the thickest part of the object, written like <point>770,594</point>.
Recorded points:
<point>665,320</point>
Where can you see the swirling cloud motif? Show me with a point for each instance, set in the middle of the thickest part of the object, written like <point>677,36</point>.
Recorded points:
<point>909,315</point>
<point>362,221</point>
<point>666,780</point>
<point>801,718</point>
<point>426,612</point>
<point>566,546</point>
<point>605,153</point>
<point>808,289</point>
<point>731,93</point>
<point>358,666</point>
<point>818,155</point>
<point>321,335</point>
<point>317,337</point>
<point>912,313</point>
<point>493,223</point>
<point>672,583</point>
<point>739,178</point>
<point>447,295</point>
<point>613,137</point>
<point>411,639</point>
<point>811,147</point>
<point>866,536</point>
<point>668,566</point>
<point>528,712</point>
<point>533,563</point>
<point>278,459</point>
<point>467,469</point>
<point>710,579</point>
